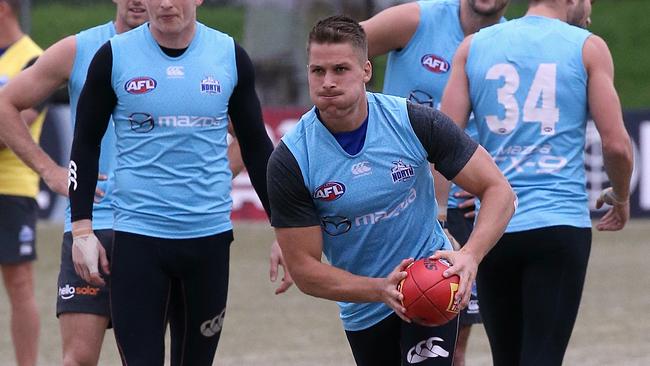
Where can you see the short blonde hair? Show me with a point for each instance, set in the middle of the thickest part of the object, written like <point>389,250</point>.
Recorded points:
<point>339,29</point>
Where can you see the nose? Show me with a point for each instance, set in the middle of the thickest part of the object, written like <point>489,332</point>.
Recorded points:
<point>165,4</point>
<point>329,81</point>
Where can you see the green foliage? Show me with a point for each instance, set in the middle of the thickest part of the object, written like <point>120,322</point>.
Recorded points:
<point>54,20</point>
<point>620,22</point>
<point>624,26</point>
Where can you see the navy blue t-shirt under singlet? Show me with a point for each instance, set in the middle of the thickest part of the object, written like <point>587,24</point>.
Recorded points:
<point>352,141</point>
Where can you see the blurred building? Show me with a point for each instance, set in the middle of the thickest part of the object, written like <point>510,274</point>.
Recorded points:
<point>275,36</point>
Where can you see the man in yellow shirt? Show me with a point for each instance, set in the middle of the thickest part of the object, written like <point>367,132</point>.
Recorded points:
<point>18,189</point>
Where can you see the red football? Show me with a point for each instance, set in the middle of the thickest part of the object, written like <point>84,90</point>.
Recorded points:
<point>428,296</point>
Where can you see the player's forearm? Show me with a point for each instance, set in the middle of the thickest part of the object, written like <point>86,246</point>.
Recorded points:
<point>328,282</point>
<point>618,161</point>
<point>246,113</point>
<point>84,169</point>
<point>29,116</point>
<point>497,207</point>
<point>255,157</point>
<point>16,136</point>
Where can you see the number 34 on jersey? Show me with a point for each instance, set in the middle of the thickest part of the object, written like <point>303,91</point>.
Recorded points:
<point>539,106</point>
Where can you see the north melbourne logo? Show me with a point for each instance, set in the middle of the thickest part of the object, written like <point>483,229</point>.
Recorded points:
<point>210,86</point>
<point>401,172</point>
<point>26,234</point>
<point>426,349</point>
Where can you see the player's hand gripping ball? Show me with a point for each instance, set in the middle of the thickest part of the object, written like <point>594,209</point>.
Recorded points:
<point>428,296</point>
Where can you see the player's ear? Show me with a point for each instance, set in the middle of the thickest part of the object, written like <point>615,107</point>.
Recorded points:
<point>4,8</point>
<point>367,70</point>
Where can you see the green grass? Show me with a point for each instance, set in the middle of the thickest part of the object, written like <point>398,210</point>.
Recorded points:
<point>295,329</point>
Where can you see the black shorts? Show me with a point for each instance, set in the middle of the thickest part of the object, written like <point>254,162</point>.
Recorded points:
<point>183,282</point>
<point>530,285</point>
<point>460,228</point>
<point>75,294</point>
<point>393,341</point>
<point>17,229</point>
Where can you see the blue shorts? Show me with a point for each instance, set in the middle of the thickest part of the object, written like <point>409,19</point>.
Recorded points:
<point>17,229</point>
<point>76,295</point>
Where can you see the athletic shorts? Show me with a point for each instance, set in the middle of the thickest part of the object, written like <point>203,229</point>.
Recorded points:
<point>76,295</point>
<point>531,285</point>
<point>180,282</point>
<point>460,228</point>
<point>393,341</point>
<point>17,229</point>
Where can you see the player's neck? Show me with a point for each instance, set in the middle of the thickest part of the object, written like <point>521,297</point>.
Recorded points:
<point>544,10</point>
<point>174,40</point>
<point>10,33</point>
<point>345,121</point>
<point>121,26</point>
<point>471,22</point>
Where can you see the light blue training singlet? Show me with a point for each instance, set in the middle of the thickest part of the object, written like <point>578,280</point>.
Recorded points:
<point>172,178</point>
<point>378,206</point>
<point>528,88</point>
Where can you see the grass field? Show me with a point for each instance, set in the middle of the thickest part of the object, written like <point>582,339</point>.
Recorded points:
<point>295,329</point>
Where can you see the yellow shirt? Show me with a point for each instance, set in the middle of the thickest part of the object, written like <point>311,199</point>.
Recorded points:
<point>16,179</point>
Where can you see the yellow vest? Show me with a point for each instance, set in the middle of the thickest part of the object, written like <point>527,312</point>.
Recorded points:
<point>16,179</point>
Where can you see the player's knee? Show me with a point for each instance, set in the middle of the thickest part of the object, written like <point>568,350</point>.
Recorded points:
<point>80,357</point>
<point>19,284</point>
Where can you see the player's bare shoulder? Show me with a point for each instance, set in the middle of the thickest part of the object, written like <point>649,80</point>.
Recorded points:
<point>392,28</point>
<point>57,60</point>
<point>463,49</point>
<point>596,55</point>
<point>50,72</point>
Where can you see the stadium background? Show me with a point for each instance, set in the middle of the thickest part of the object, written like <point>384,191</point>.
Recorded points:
<point>262,329</point>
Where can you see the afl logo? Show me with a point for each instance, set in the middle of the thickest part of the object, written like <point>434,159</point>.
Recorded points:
<point>140,85</point>
<point>435,64</point>
<point>329,191</point>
